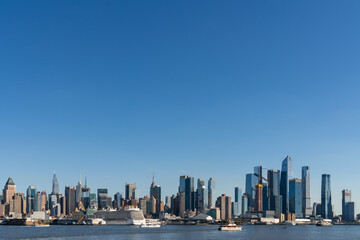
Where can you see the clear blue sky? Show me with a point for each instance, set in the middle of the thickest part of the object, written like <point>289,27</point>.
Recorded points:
<point>115,90</point>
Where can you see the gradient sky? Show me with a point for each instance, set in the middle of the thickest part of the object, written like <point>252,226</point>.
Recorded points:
<point>117,90</point>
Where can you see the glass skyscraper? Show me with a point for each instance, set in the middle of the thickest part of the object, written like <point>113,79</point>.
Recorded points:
<point>287,173</point>
<point>261,174</point>
<point>274,189</point>
<point>250,190</point>
<point>238,203</point>
<point>305,191</point>
<point>55,185</point>
<point>30,199</point>
<point>326,205</point>
<point>295,198</point>
<point>189,194</point>
<point>348,211</point>
<point>211,193</point>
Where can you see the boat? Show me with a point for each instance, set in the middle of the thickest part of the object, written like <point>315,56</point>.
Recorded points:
<point>290,223</point>
<point>125,216</point>
<point>150,225</point>
<point>42,225</point>
<point>324,223</point>
<point>230,227</point>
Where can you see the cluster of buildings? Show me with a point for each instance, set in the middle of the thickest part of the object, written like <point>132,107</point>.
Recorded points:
<point>269,193</point>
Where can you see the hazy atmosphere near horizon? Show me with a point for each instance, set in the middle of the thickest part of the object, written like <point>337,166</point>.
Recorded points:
<point>118,90</point>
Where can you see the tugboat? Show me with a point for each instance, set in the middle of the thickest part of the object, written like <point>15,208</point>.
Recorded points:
<point>230,227</point>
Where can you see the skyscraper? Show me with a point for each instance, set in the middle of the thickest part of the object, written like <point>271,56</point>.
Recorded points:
<point>182,181</point>
<point>258,198</point>
<point>237,205</point>
<point>189,194</point>
<point>305,191</point>
<point>9,191</point>
<point>155,191</point>
<point>129,187</point>
<point>250,190</point>
<point>261,174</point>
<point>326,204</point>
<point>104,201</point>
<point>348,213</point>
<point>79,188</point>
<point>274,189</point>
<point>287,173</point>
<point>55,185</point>
<point>70,196</point>
<point>30,199</point>
<point>211,193</point>
<point>202,196</point>
<point>295,198</point>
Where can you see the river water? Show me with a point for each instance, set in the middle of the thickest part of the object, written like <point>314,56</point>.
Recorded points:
<point>278,232</point>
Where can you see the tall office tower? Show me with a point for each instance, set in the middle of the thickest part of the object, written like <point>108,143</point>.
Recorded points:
<point>37,202</point>
<point>30,198</point>
<point>250,190</point>
<point>237,203</point>
<point>9,191</point>
<point>228,208</point>
<point>104,201</point>
<point>70,196</point>
<point>85,195</point>
<point>182,181</point>
<point>314,208</point>
<point>168,202</point>
<point>62,201</point>
<point>78,192</point>
<point>245,203</point>
<point>189,194</point>
<point>326,204</point>
<point>117,200</point>
<point>261,174</point>
<point>274,188</point>
<point>258,198</point>
<point>221,204</point>
<point>295,198</point>
<point>129,187</point>
<point>348,213</point>
<point>155,191</point>
<point>18,204</point>
<point>211,193</point>
<point>135,194</point>
<point>287,173</point>
<point>202,199</point>
<point>305,191</point>
<point>55,185</point>
<point>52,203</point>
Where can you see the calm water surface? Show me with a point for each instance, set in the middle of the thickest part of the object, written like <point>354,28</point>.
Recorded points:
<point>180,232</point>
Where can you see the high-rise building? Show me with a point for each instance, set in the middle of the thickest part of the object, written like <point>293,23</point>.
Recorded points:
<point>117,200</point>
<point>104,201</point>
<point>182,183</point>
<point>237,205</point>
<point>9,191</point>
<point>245,204</point>
<point>326,204</point>
<point>348,214</point>
<point>295,198</point>
<point>30,199</point>
<point>287,173</point>
<point>79,188</point>
<point>250,190</point>
<point>258,198</point>
<point>211,193</point>
<point>189,194</point>
<point>261,174</point>
<point>129,187</point>
<point>155,191</point>
<point>224,203</point>
<point>55,185</point>
<point>274,189</point>
<point>70,196</point>
<point>202,198</point>
<point>85,195</point>
<point>305,191</point>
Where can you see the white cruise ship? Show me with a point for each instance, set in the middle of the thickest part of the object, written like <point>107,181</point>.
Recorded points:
<point>125,216</point>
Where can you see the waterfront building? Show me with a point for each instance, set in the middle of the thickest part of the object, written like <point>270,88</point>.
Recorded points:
<point>250,190</point>
<point>104,201</point>
<point>189,194</point>
<point>295,198</point>
<point>129,190</point>
<point>278,204</point>
<point>326,204</point>
<point>55,185</point>
<point>245,203</point>
<point>273,188</point>
<point>9,191</point>
<point>305,191</point>
<point>70,196</point>
<point>258,198</point>
<point>348,211</point>
<point>287,173</point>
<point>237,205</point>
<point>224,204</point>
<point>211,193</point>
<point>30,199</point>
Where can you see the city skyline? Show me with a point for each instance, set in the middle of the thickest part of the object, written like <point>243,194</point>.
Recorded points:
<point>211,90</point>
<point>218,192</point>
